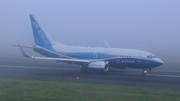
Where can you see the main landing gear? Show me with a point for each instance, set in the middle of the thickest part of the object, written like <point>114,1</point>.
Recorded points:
<point>84,70</point>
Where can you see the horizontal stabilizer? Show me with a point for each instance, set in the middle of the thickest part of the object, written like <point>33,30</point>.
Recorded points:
<point>32,47</point>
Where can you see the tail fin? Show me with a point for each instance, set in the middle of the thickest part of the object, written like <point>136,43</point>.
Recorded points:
<point>41,37</point>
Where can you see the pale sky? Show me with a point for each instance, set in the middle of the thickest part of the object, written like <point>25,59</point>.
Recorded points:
<point>150,25</point>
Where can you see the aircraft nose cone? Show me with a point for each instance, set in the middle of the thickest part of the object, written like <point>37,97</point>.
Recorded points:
<point>159,61</point>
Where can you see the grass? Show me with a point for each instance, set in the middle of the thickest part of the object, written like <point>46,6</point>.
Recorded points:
<point>43,90</point>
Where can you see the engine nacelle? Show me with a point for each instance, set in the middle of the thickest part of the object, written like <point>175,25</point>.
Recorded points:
<point>98,66</point>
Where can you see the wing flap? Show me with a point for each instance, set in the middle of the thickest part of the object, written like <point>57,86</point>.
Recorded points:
<point>61,59</point>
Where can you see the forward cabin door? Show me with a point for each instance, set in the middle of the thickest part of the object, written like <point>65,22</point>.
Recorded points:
<point>139,55</point>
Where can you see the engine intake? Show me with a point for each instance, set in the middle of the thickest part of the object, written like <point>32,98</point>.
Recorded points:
<point>98,66</point>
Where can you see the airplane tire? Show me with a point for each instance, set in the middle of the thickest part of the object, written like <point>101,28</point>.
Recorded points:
<point>84,70</point>
<point>144,72</point>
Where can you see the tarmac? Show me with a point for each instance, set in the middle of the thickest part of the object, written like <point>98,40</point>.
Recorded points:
<point>71,73</point>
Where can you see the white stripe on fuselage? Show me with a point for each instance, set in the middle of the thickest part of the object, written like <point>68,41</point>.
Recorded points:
<point>109,51</point>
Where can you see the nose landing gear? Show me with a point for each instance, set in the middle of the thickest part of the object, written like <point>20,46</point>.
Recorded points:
<point>144,71</point>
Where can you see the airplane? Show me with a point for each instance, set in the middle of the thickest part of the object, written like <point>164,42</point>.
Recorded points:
<point>92,59</point>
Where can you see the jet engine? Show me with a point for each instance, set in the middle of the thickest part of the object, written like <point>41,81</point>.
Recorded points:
<point>98,66</point>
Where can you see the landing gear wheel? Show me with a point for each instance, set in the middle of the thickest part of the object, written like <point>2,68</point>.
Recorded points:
<point>84,70</point>
<point>144,72</point>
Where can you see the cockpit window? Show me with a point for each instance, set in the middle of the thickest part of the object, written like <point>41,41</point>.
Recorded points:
<point>151,56</point>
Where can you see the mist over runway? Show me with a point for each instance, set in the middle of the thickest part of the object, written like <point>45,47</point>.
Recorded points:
<point>148,25</point>
<point>66,72</point>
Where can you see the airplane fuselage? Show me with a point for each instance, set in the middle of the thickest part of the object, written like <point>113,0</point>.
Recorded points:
<point>116,57</point>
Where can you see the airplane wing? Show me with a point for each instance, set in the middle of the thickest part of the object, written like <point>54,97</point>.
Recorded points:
<point>49,58</point>
<point>41,48</point>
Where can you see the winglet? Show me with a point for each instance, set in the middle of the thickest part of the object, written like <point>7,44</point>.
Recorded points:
<point>23,52</point>
<point>107,45</point>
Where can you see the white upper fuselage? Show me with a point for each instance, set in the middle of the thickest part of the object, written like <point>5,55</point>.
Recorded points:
<point>112,52</point>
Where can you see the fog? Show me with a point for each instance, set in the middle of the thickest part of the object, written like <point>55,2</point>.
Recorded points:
<point>150,25</point>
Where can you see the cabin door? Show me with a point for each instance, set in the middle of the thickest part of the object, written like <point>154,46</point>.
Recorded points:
<point>139,55</point>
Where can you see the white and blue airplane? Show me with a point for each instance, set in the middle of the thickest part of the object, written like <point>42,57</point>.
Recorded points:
<point>92,59</point>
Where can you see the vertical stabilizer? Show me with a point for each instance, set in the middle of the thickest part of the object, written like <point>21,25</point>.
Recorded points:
<point>41,37</point>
